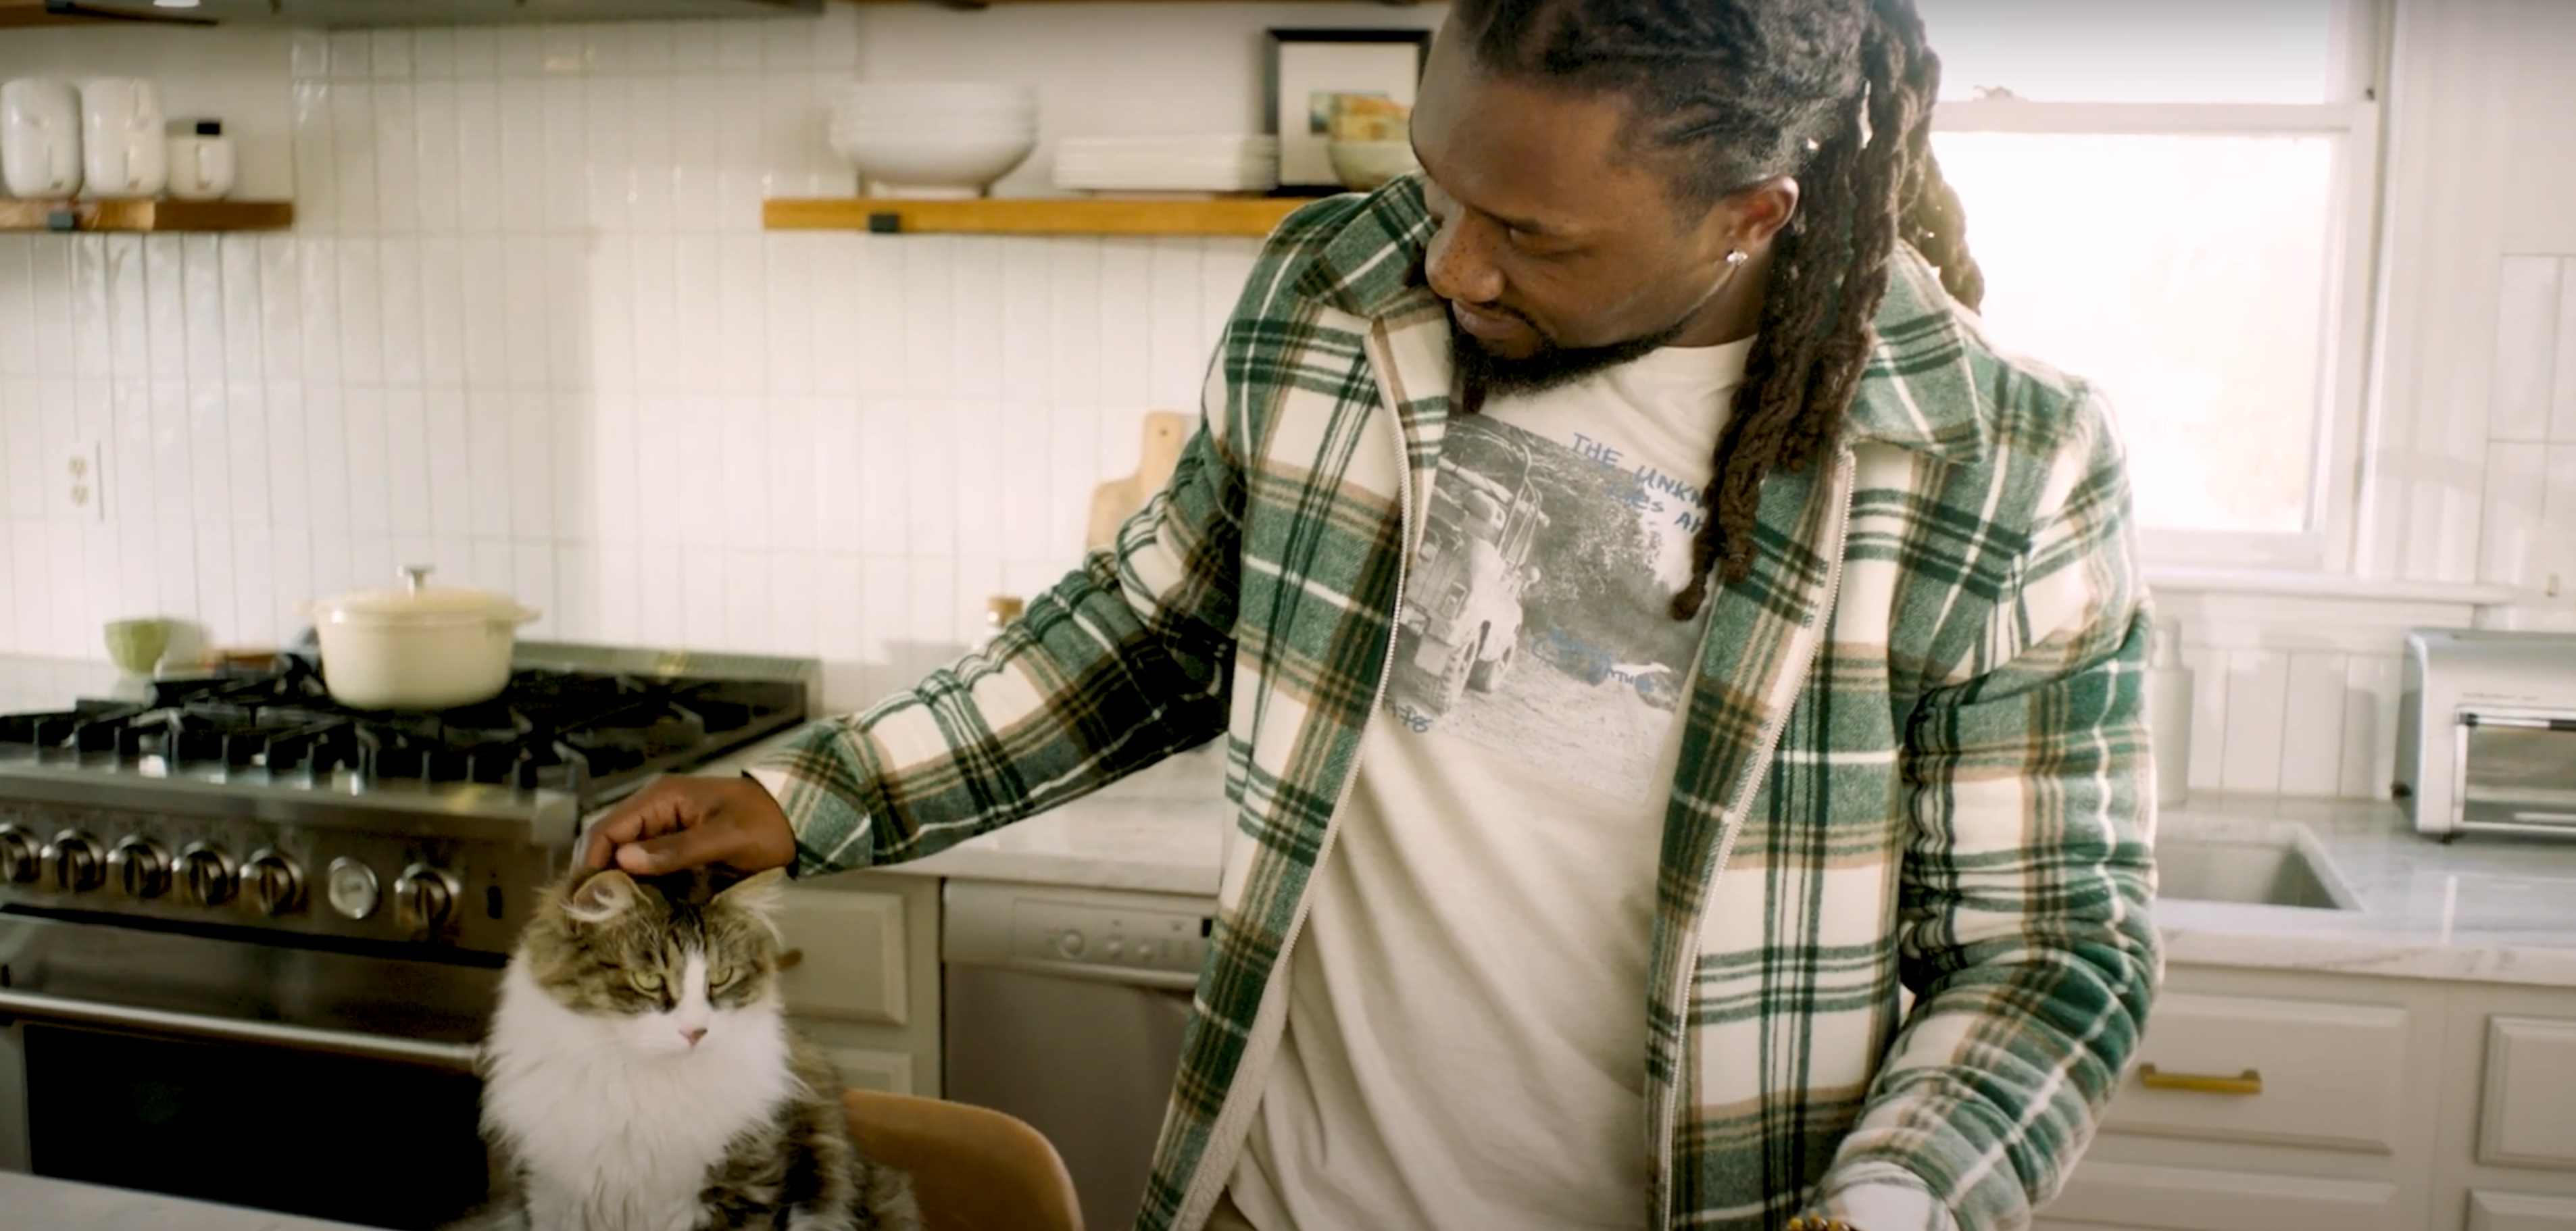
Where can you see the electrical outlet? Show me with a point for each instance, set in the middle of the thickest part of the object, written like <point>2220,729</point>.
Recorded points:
<point>83,482</point>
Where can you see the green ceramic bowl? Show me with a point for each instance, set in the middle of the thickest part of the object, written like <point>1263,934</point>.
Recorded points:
<point>135,646</point>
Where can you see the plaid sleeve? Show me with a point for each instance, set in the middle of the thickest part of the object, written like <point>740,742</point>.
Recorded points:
<point>1119,665</point>
<point>2023,926</point>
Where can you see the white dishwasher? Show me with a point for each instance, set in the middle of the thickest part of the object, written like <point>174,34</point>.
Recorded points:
<point>1064,1007</point>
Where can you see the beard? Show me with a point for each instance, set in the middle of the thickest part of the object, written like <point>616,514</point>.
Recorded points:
<point>1483,374</point>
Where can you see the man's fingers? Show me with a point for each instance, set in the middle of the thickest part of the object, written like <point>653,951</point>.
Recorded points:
<point>671,852</point>
<point>660,808</point>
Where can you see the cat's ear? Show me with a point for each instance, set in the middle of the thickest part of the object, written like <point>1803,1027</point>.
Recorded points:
<point>601,898</point>
<point>759,895</point>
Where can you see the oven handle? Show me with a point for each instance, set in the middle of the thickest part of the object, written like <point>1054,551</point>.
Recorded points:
<point>451,1057</point>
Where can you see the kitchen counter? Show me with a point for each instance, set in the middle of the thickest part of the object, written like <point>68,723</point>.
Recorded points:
<point>34,1203</point>
<point>2482,909</point>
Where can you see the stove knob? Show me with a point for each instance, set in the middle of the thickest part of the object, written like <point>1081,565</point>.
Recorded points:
<point>275,884</point>
<point>19,863</point>
<point>205,876</point>
<point>140,867</point>
<point>74,861</point>
<point>426,896</point>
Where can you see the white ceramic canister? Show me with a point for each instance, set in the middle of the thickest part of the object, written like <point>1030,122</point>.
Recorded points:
<point>124,152</point>
<point>201,161</point>
<point>40,137</point>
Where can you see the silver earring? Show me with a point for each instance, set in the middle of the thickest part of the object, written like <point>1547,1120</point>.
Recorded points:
<point>1735,257</point>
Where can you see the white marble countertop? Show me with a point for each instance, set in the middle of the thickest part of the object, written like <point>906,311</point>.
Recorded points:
<point>1158,831</point>
<point>35,1203</point>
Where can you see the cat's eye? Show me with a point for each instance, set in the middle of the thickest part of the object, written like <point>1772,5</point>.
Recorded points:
<point>646,981</point>
<point>724,977</point>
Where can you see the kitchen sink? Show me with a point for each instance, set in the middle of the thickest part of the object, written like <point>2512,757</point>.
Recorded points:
<point>2283,869</point>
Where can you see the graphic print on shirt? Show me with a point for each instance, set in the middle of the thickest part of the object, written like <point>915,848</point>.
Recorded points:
<point>1537,618</point>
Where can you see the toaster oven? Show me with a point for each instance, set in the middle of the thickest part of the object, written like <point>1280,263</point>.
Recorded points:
<point>2486,733</point>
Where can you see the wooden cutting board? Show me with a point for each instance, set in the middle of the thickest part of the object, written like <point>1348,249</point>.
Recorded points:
<point>1113,502</point>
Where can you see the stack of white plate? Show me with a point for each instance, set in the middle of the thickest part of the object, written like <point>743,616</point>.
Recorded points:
<point>952,138</point>
<point>1168,164</point>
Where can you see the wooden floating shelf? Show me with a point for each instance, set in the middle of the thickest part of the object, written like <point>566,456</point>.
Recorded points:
<point>1252,216</point>
<point>16,215</point>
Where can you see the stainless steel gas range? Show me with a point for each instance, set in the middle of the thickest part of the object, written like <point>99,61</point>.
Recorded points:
<point>249,938</point>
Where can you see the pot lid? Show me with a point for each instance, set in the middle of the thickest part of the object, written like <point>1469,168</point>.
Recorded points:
<point>415,598</point>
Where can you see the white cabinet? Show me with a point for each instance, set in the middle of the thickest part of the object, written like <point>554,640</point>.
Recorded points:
<point>2530,1114</point>
<point>2491,1211</point>
<point>861,976</point>
<point>2268,1103</point>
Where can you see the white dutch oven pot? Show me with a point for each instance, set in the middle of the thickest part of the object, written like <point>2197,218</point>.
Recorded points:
<point>417,646</point>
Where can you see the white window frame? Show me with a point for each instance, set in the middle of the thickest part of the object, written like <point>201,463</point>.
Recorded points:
<point>2345,366</point>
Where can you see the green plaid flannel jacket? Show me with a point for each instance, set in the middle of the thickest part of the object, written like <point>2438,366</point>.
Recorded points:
<point>1913,755</point>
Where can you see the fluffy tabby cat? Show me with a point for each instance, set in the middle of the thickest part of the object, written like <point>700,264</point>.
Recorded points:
<point>640,1075</point>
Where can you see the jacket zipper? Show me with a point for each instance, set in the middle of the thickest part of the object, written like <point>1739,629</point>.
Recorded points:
<point>1845,466</point>
<point>1238,1107</point>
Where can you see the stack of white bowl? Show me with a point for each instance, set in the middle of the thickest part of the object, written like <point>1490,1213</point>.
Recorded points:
<point>913,138</point>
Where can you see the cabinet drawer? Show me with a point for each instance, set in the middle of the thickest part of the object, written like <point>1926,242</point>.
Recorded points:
<point>2495,1211</point>
<point>2114,1195</point>
<point>2286,1072</point>
<point>2529,1117</point>
<point>846,956</point>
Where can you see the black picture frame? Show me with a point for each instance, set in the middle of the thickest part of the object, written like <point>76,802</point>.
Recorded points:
<point>1302,169</point>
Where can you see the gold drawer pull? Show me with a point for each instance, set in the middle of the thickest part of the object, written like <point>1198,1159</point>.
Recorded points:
<point>2248,1082</point>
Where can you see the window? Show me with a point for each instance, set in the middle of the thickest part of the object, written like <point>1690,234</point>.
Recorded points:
<point>2175,201</point>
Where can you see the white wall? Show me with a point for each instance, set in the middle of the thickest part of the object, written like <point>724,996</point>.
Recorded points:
<point>527,327</point>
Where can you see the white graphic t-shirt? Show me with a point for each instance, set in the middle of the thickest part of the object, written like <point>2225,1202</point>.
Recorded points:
<point>1465,1048</point>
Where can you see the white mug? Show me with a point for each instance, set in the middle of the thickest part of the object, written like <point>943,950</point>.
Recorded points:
<point>201,163</point>
<point>40,145</point>
<point>123,150</point>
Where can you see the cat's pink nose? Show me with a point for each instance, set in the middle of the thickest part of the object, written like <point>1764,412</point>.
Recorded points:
<point>693,1034</point>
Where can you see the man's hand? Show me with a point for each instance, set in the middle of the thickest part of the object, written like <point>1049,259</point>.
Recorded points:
<point>677,823</point>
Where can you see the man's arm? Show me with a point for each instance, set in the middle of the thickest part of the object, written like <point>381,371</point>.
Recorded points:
<point>1119,665</point>
<point>2024,931</point>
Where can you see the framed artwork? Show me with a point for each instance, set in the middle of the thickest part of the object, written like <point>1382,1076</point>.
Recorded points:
<point>1305,68</point>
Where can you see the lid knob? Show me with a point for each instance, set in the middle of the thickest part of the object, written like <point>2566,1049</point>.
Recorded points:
<point>416,576</point>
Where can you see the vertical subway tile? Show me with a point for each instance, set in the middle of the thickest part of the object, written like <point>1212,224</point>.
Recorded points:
<point>2526,336</point>
<point>567,339</point>
<point>659,474</point>
<point>409,464</point>
<point>477,142</point>
<point>26,469</point>
<point>743,361</point>
<point>793,503</point>
<point>649,51</point>
<point>367,468</point>
<point>245,446</point>
<point>53,304</point>
<point>788,313</point>
<point>162,342</point>
<point>743,179</point>
<point>316,176</point>
<point>281,311</point>
<point>2371,699</point>
<point>613,466</point>
<point>930,474</point>
<point>318,296</point>
<point>534,471</point>
<point>2558,547</point>
<point>840,622</point>
<point>98,287</point>
<point>792,136</point>
<point>352,54</point>
<point>562,182</point>
<point>928,315</point>
<point>885,468</point>
<point>442,310</point>
<point>486,493</point>
<point>210,556</point>
<point>976,336</point>
<point>308,54</point>
<point>833,306</point>
<point>696,48</point>
<point>608,48</point>
<point>653,313</point>
<point>2209,707</point>
<point>838,471</point>
<point>362,312</point>
<point>522,146</point>
<point>18,305</point>
<point>523,268</point>
<point>790,604</point>
<point>399,280</point>
<point>702,596</point>
<point>640,597</point>
<point>877,275</point>
<point>438,165</point>
<point>572,436</point>
<point>483,302</point>
<point>2258,684</point>
<point>532,579</point>
<point>1023,324</point>
<point>649,115</point>
<point>1175,354</point>
<point>698,311</point>
<point>565,49</point>
<point>2510,525</point>
<point>201,269</point>
<point>289,472</point>
<point>433,53</point>
<point>1126,342</point>
<point>390,53</point>
<point>2312,727</point>
<point>1074,301</point>
<point>477,51</point>
<point>746,592</point>
<point>613,307</point>
<point>739,46</point>
<point>353,157</point>
<point>397,159</point>
<point>609,163</point>
<point>1019,455</point>
<point>173,471</point>
<point>744,448</point>
<point>2562,397</point>
<point>327,463</point>
<point>453,490</point>
<point>491,566</point>
<point>242,321</point>
<point>974,428</point>
<point>519,51</point>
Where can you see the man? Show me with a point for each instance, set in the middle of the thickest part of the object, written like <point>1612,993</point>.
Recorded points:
<point>1650,626</point>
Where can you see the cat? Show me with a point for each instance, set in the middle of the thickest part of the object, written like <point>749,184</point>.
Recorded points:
<point>639,1073</point>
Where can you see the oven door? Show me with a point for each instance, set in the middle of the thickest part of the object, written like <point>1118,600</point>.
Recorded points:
<point>329,1083</point>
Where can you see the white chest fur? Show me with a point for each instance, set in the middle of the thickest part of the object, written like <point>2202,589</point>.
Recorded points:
<point>616,1126</point>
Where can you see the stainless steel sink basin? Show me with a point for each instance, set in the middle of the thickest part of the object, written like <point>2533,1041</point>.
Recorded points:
<point>2283,869</point>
